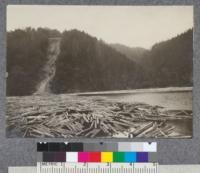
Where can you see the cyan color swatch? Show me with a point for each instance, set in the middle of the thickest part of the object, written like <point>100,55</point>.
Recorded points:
<point>130,157</point>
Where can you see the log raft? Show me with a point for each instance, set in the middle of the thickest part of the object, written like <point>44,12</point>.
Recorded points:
<point>71,116</point>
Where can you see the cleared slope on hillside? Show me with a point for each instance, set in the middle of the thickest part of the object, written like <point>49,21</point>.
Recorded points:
<point>49,70</point>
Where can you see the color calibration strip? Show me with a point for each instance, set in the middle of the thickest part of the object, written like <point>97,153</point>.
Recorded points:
<point>108,146</point>
<point>98,157</point>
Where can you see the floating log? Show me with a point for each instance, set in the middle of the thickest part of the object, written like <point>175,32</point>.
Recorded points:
<point>142,129</point>
<point>73,117</point>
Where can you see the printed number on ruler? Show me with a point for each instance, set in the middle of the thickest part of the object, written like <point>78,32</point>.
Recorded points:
<point>50,167</point>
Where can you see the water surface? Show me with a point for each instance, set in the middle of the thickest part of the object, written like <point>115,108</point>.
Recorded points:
<point>179,100</point>
<point>168,98</point>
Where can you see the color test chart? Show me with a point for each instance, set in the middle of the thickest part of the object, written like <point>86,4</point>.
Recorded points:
<point>97,152</point>
<point>122,157</point>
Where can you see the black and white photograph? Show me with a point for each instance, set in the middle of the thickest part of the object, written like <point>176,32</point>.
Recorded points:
<point>99,71</point>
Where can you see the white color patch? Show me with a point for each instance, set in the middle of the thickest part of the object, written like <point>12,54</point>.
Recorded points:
<point>150,147</point>
<point>71,157</point>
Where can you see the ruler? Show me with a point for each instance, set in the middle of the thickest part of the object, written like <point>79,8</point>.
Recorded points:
<point>62,167</point>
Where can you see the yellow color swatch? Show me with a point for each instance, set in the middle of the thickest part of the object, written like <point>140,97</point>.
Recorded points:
<point>106,156</point>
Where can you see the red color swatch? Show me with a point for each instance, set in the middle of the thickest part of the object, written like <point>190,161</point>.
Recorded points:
<point>94,157</point>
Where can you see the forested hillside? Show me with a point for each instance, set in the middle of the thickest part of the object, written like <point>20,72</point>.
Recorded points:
<point>171,62</point>
<point>87,64</point>
<point>167,63</point>
<point>26,57</point>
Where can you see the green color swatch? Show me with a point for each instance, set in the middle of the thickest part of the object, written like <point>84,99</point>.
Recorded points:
<point>118,157</point>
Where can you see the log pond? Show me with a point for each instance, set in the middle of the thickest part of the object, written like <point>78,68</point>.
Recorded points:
<point>149,113</point>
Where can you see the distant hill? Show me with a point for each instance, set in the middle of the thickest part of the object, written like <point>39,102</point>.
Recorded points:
<point>87,64</point>
<point>134,53</point>
<point>168,63</point>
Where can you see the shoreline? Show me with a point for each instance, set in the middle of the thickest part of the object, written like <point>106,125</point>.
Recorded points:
<point>113,92</point>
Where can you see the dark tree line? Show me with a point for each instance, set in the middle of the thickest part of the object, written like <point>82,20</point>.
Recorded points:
<point>26,56</point>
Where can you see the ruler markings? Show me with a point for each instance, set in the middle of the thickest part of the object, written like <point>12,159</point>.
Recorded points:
<point>96,168</point>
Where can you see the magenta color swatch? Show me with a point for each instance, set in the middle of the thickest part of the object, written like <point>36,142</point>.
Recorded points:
<point>83,157</point>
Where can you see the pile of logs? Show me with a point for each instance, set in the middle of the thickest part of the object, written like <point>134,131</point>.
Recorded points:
<point>71,116</point>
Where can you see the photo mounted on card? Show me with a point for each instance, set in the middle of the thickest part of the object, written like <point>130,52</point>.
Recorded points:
<point>99,71</point>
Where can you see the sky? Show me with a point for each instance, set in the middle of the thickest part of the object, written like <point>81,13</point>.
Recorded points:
<point>133,26</point>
